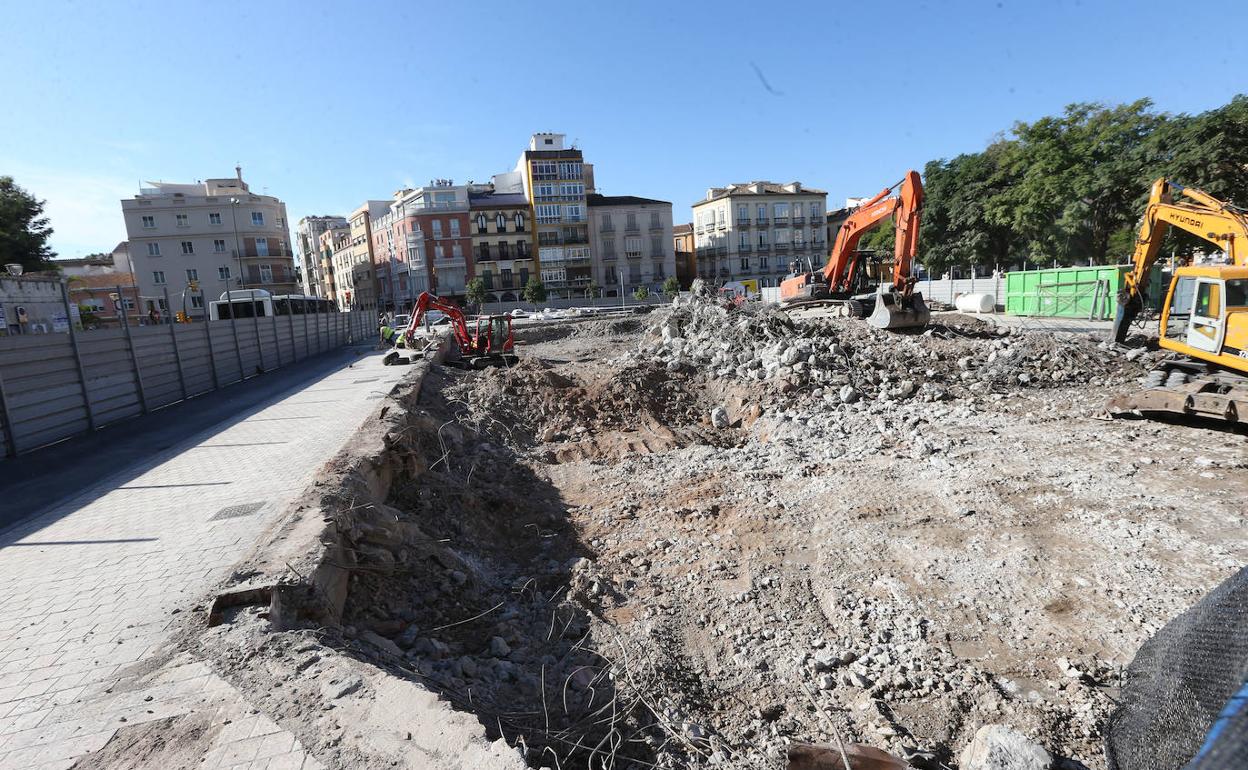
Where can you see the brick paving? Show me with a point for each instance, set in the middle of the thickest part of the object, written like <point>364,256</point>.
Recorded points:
<point>94,585</point>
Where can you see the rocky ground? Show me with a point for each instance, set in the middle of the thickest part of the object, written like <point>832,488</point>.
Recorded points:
<point>691,538</point>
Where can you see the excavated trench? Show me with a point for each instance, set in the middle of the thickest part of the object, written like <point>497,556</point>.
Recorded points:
<point>492,606</point>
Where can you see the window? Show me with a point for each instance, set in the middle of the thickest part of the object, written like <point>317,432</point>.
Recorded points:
<point>192,274</point>
<point>505,277</point>
<point>572,190</point>
<point>605,223</point>
<point>438,252</point>
<point>214,217</point>
<point>437,228</point>
<point>188,247</point>
<point>522,249</point>
<point>655,224</point>
<point>454,228</point>
<point>545,169</point>
<point>1237,292</point>
<point>608,249</point>
<point>223,273</point>
<point>181,220</point>
<point>503,250</point>
<point>257,218</point>
<point>545,191</point>
<point>782,236</point>
<point>762,212</point>
<point>153,249</point>
<point>218,246</point>
<point>798,237</point>
<point>632,246</point>
<point>814,211</point>
<point>743,213</point>
<point>197,300</point>
<point>457,251</point>
<point>720,216</point>
<point>262,247</point>
<point>570,170</point>
<point>519,222</point>
<point>1209,300</point>
<point>745,264</point>
<point>480,223</point>
<point>158,276</point>
<point>762,238</point>
<point>266,274</point>
<point>129,303</point>
<point>573,213</point>
<point>743,238</point>
<point>762,263</point>
<point>548,213</point>
<point>656,246</point>
<point>631,224</point>
<point>781,210</point>
<point>149,222</point>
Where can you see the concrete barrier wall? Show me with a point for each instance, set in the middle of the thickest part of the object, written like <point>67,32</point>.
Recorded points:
<point>56,386</point>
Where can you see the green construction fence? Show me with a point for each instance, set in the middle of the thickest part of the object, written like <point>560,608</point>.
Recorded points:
<point>1073,292</point>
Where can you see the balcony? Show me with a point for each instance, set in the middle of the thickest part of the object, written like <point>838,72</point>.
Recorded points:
<point>744,224</point>
<point>609,257</point>
<point>607,229</point>
<point>657,254</point>
<point>632,255</point>
<point>632,227</point>
<point>744,248</point>
<point>798,219</point>
<point>760,221</point>
<point>656,227</point>
<point>763,248</point>
<point>782,247</point>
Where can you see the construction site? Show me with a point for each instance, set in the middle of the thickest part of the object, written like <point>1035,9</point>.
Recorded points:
<point>697,537</point>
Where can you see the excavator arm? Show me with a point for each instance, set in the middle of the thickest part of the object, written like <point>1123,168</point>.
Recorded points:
<point>1202,215</point>
<point>904,209</point>
<point>459,327</point>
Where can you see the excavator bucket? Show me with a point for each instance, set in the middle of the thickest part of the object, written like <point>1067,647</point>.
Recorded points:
<point>893,311</point>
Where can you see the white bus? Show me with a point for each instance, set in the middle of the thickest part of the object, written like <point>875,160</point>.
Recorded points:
<point>258,303</point>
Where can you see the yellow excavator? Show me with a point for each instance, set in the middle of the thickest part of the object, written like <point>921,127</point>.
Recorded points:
<point>1205,314</point>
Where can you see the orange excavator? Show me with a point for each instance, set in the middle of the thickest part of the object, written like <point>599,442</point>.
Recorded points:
<point>490,343</point>
<point>898,306</point>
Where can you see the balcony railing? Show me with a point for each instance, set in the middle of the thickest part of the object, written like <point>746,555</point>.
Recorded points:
<point>632,255</point>
<point>632,227</point>
<point>782,221</point>
<point>656,226</point>
<point>609,257</point>
<point>760,221</point>
<point>798,219</point>
<point>763,248</point>
<point>607,229</point>
<point>782,247</point>
<point>657,254</point>
<point>744,248</point>
<point>744,223</point>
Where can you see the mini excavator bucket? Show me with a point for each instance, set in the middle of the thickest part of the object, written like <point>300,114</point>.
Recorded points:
<point>893,311</point>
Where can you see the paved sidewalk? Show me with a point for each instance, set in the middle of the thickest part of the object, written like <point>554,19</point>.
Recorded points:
<point>94,584</point>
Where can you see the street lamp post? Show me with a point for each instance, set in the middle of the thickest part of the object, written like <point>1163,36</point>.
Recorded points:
<point>238,252</point>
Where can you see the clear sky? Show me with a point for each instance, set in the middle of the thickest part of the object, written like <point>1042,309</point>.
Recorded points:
<point>326,105</point>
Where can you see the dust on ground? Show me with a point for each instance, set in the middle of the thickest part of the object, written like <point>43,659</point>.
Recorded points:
<point>688,539</point>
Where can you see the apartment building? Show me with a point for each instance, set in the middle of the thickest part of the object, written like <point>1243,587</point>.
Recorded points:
<point>215,232</point>
<point>332,241</point>
<point>432,239</point>
<point>502,245</point>
<point>632,241</point>
<point>686,261</point>
<point>753,231</point>
<point>308,236</point>
<point>556,180</point>
<point>358,272</point>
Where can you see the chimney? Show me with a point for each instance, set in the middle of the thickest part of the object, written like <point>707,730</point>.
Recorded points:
<point>238,172</point>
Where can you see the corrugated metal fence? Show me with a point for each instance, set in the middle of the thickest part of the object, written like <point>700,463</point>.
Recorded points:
<point>54,386</point>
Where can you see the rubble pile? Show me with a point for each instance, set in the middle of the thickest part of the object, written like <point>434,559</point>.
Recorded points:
<point>846,359</point>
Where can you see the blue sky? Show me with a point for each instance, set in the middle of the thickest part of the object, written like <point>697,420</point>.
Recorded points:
<point>327,105</point>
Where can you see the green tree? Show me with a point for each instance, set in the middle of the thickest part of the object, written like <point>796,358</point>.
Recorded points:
<point>24,230</point>
<point>671,287</point>
<point>640,293</point>
<point>474,292</point>
<point>534,292</point>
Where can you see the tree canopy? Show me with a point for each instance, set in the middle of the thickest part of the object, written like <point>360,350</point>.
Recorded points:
<point>24,230</point>
<point>1071,188</point>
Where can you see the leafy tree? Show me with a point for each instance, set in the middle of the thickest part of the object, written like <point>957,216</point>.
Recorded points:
<point>671,287</point>
<point>640,293</point>
<point>534,292</point>
<point>24,230</point>
<point>474,292</point>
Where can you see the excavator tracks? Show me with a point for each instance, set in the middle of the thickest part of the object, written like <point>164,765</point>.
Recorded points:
<point>1181,389</point>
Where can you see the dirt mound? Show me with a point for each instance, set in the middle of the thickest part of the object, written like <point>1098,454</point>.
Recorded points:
<point>599,327</point>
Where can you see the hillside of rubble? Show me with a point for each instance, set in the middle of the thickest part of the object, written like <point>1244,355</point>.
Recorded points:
<point>693,538</point>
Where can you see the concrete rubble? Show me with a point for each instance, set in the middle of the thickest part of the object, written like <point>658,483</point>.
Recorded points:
<point>697,539</point>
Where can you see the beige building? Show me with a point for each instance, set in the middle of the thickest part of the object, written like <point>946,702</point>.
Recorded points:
<point>753,231</point>
<point>330,242</point>
<point>355,277</point>
<point>632,243</point>
<point>216,233</point>
<point>308,232</point>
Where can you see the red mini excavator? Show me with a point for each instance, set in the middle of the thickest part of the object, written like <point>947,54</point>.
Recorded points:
<point>490,343</point>
<point>899,306</point>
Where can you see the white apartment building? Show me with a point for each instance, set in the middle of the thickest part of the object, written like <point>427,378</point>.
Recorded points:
<point>216,233</point>
<point>308,235</point>
<point>753,231</point>
<point>632,243</point>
